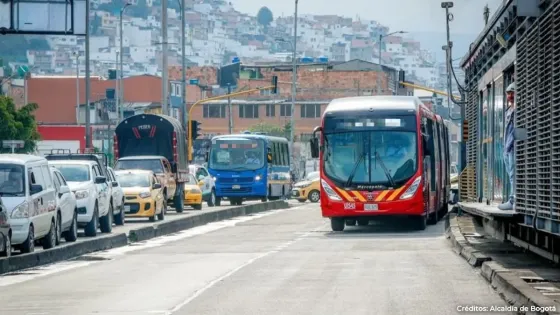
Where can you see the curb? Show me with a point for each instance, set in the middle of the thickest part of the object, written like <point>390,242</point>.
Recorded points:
<point>460,244</point>
<point>104,242</point>
<point>514,290</point>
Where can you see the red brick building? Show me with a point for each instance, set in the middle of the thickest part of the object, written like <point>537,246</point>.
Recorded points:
<point>317,85</point>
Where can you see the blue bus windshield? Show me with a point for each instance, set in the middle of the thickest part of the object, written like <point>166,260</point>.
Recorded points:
<point>237,154</point>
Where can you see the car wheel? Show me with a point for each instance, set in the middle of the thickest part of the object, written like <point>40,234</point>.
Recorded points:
<point>29,245</point>
<point>72,234</point>
<point>50,239</point>
<point>58,229</point>
<point>7,247</point>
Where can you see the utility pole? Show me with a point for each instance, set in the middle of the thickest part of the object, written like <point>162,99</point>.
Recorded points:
<point>120,72</point>
<point>117,91</point>
<point>380,66</point>
<point>184,108</point>
<point>88,83</point>
<point>294,81</point>
<point>77,55</point>
<point>164,75</point>
<point>230,111</point>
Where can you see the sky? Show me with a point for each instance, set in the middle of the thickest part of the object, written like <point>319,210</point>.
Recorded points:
<point>408,15</point>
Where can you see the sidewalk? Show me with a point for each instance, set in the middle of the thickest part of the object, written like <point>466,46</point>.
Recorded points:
<point>521,278</point>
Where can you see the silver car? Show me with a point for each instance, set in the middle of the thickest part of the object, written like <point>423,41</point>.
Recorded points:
<point>5,232</point>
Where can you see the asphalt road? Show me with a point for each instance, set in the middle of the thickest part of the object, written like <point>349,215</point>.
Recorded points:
<point>280,262</point>
<point>134,223</point>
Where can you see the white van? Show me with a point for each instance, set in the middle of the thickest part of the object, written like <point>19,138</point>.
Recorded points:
<point>28,193</point>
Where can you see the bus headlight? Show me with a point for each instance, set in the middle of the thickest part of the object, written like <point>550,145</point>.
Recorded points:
<point>257,178</point>
<point>412,189</point>
<point>330,192</point>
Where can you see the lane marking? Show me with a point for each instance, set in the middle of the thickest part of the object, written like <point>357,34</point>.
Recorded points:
<point>42,271</point>
<point>212,283</point>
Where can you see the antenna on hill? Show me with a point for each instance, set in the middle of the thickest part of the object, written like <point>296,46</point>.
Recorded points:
<point>486,14</point>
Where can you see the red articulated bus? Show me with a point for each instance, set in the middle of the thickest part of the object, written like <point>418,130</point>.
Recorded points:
<point>382,156</point>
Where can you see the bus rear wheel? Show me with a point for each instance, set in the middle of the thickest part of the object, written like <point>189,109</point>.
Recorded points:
<point>337,224</point>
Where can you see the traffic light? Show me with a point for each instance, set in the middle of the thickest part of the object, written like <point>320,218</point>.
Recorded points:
<point>274,84</point>
<point>195,129</point>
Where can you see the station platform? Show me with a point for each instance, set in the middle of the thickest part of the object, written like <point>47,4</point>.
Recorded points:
<point>486,211</point>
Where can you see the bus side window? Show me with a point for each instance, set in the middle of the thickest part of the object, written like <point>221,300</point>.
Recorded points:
<point>275,157</point>
<point>281,147</point>
<point>287,156</point>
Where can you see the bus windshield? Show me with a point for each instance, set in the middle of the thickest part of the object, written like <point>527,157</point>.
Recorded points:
<point>237,154</point>
<point>371,158</point>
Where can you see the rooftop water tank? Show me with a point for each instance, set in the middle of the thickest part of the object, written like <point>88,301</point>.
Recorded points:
<point>306,59</point>
<point>323,59</point>
<point>235,60</point>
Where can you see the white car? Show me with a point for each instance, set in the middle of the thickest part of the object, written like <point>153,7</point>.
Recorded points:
<point>67,213</point>
<point>209,187</point>
<point>85,179</point>
<point>28,194</point>
<point>118,197</point>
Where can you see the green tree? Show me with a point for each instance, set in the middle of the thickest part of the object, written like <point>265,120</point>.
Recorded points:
<point>18,124</point>
<point>271,130</point>
<point>265,17</point>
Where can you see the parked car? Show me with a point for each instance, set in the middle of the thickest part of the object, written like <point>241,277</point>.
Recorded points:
<point>143,194</point>
<point>193,193</point>
<point>28,194</point>
<point>92,194</point>
<point>67,212</point>
<point>118,197</point>
<point>5,232</point>
<point>208,186</point>
<point>308,189</point>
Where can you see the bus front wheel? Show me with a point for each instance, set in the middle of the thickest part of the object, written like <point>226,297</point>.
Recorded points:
<point>337,224</point>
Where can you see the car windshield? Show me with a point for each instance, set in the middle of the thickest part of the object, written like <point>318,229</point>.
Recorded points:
<point>12,180</point>
<point>191,180</point>
<point>237,154</point>
<point>369,152</point>
<point>133,180</point>
<point>312,176</point>
<point>73,172</point>
<point>153,165</point>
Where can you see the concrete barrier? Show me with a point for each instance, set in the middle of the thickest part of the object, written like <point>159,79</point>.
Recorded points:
<point>104,242</point>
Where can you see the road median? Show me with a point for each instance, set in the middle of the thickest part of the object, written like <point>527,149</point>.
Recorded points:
<point>104,242</point>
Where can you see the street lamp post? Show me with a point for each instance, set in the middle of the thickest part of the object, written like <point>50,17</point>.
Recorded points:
<point>294,80</point>
<point>120,71</point>
<point>77,55</point>
<point>117,90</point>
<point>381,36</point>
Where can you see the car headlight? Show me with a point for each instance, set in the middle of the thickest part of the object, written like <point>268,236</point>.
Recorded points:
<point>21,211</point>
<point>81,194</point>
<point>257,178</point>
<point>145,194</point>
<point>214,178</point>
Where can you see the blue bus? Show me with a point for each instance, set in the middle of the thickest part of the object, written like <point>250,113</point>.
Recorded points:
<point>249,167</point>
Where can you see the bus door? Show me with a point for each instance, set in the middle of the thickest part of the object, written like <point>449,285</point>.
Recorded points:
<point>441,163</point>
<point>432,174</point>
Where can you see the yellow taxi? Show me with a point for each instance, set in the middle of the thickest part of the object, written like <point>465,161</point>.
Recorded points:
<point>193,193</point>
<point>308,189</point>
<point>143,195</point>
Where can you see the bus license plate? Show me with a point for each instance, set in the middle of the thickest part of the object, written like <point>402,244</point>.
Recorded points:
<point>370,207</point>
<point>235,187</point>
<point>126,208</point>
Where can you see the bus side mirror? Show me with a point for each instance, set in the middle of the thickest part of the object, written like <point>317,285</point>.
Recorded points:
<point>314,144</point>
<point>269,157</point>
